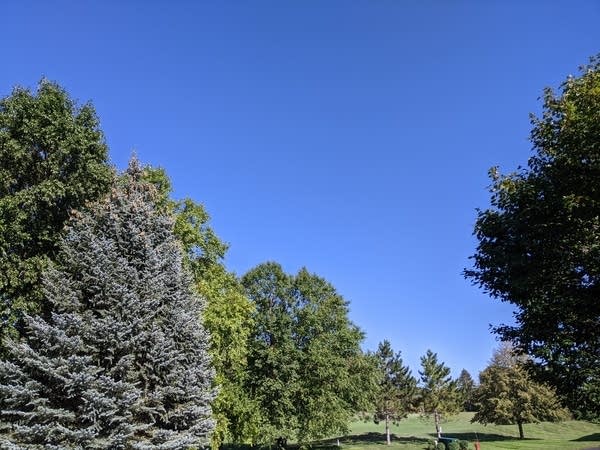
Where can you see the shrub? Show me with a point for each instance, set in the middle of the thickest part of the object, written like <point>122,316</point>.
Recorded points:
<point>453,445</point>
<point>463,445</point>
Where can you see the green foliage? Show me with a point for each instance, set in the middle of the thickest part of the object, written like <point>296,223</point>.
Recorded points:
<point>123,361</point>
<point>507,395</point>
<point>306,369</point>
<point>397,387</point>
<point>439,396</point>
<point>228,311</point>
<point>53,159</point>
<point>465,385</point>
<point>440,446</point>
<point>539,243</point>
<point>453,445</point>
<point>463,445</point>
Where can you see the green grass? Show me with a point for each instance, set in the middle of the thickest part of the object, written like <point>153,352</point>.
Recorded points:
<point>414,432</point>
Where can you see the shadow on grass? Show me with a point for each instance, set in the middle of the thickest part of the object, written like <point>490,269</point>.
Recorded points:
<point>369,438</point>
<point>331,444</point>
<point>589,437</point>
<point>484,437</point>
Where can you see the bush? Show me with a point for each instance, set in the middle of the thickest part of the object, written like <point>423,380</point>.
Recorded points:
<point>463,445</point>
<point>441,446</point>
<point>431,445</point>
<point>453,445</point>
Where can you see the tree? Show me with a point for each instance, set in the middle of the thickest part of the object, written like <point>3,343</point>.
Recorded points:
<point>52,159</point>
<point>273,360</point>
<point>123,361</point>
<point>538,244</point>
<point>466,388</point>
<point>305,370</point>
<point>227,315</point>
<point>397,387</point>
<point>507,395</point>
<point>439,396</point>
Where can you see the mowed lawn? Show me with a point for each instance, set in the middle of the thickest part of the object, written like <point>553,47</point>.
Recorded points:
<point>414,432</point>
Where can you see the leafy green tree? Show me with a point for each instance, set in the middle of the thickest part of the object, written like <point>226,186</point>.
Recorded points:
<point>439,396</point>
<point>228,311</point>
<point>306,369</point>
<point>53,159</point>
<point>397,388</point>
<point>273,361</point>
<point>466,388</point>
<point>538,244</point>
<point>123,361</point>
<point>507,395</point>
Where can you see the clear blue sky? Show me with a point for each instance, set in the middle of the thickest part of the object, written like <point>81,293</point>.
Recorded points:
<point>350,137</point>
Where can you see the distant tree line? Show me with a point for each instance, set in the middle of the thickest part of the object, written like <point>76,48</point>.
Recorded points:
<point>122,328</point>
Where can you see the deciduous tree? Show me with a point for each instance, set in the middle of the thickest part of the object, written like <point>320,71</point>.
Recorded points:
<point>538,243</point>
<point>52,159</point>
<point>507,395</point>
<point>123,361</point>
<point>228,311</point>
<point>306,369</point>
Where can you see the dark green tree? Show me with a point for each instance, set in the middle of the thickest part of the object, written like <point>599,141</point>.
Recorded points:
<point>507,395</point>
<point>538,244</point>
<point>397,388</point>
<point>306,370</point>
<point>273,361</point>
<point>439,396</point>
<point>123,361</point>
<point>228,311</point>
<point>53,159</point>
<point>466,389</point>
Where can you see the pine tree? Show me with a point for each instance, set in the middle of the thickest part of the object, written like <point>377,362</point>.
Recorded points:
<point>439,396</point>
<point>123,361</point>
<point>466,390</point>
<point>397,387</point>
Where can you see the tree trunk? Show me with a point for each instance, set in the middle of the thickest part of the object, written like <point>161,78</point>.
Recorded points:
<point>387,429</point>
<point>521,434</point>
<point>438,428</point>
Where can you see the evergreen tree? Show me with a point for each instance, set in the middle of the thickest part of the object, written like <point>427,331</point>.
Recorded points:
<point>397,388</point>
<point>122,363</point>
<point>466,390</point>
<point>439,396</point>
<point>52,159</point>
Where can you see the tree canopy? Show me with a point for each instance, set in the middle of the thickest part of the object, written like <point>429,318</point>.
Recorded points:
<point>539,243</point>
<point>306,370</point>
<point>508,396</point>
<point>53,159</point>
<point>123,360</point>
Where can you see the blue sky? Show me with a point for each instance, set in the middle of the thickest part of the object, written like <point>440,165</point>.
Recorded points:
<point>350,137</point>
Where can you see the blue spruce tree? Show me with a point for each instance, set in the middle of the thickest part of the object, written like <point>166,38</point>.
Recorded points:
<point>123,362</point>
